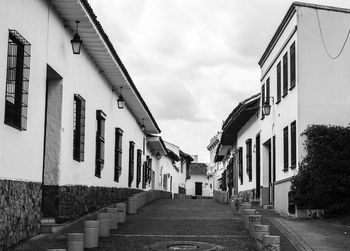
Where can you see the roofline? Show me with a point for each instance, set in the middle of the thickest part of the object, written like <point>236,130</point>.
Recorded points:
<point>93,17</point>
<point>286,19</point>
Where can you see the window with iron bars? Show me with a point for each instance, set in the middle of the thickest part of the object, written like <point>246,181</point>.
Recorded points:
<point>100,142</point>
<point>139,166</point>
<point>78,128</point>
<point>17,81</point>
<point>131,162</point>
<point>118,154</point>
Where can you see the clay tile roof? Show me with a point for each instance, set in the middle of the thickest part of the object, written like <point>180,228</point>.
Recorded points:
<point>198,168</point>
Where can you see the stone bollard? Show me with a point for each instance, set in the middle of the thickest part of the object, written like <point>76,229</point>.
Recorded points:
<point>104,224</point>
<point>113,216</point>
<point>75,242</point>
<point>271,243</point>
<point>245,214</point>
<point>132,205</point>
<point>121,212</point>
<point>91,233</point>
<point>244,206</point>
<point>253,220</point>
<point>260,232</point>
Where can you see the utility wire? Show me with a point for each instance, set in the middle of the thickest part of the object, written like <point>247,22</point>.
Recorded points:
<point>324,44</point>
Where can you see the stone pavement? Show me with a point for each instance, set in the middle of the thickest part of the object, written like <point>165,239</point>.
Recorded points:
<point>202,220</point>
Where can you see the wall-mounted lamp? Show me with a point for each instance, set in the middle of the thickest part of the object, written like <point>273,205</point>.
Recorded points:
<point>120,100</point>
<point>266,108</point>
<point>76,41</point>
<point>143,125</point>
<point>158,156</point>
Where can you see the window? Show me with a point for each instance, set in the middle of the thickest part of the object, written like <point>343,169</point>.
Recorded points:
<point>267,101</point>
<point>293,141</point>
<point>262,100</point>
<point>249,158</point>
<point>78,128</point>
<point>292,66</point>
<point>278,82</point>
<point>17,81</point>
<point>182,163</point>
<point>100,142</point>
<point>139,165</point>
<point>240,164</point>
<point>274,158</point>
<point>285,75</point>
<point>131,162</point>
<point>149,170</point>
<point>144,145</point>
<point>285,149</point>
<point>144,170</point>
<point>118,153</point>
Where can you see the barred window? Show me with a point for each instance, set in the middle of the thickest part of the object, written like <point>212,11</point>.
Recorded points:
<point>78,128</point>
<point>240,164</point>
<point>292,65</point>
<point>249,158</point>
<point>131,162</point>
<point>267,101</point>
<point>262,100</point>
<point>285,74</point>
<point>17,81</point>
<point>278,82</point>
<point>285,149</point>
<point>293,143</point>
<point>149,170</point>
<point>118,154</point>
<point>100,142</point>
<point>139,166</point>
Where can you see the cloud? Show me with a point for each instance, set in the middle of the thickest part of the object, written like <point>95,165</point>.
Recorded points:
<point>193,61</point>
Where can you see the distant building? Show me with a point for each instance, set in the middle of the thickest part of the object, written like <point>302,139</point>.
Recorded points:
<point>198,183</point>
<point>215,169</point>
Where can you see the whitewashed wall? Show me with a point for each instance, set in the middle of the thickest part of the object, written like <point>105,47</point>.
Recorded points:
<point>191,187</point>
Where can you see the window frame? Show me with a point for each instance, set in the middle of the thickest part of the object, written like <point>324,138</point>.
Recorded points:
<point>279,78</point>
<point>139,167</point>
<point>293,144</point>
<point>249,162</point>
<point>240,164</point>
<point>262,100</point>
<point>17,88</point>
<point>78,127</point>
<point>118,153</point>
<point>285,149</point>
<point>292,56</point>
<point>131,162</point>
<point>285,75</point>
<point>100,142</point>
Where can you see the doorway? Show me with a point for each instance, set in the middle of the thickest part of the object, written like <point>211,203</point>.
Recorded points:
<point>267,189</point>
<point>198,188</point>
<point>257,159</point>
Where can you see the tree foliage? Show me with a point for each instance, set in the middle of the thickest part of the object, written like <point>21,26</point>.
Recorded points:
<point>323,180</point>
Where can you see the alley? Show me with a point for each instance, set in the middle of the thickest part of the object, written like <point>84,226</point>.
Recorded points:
<point>202,220</point>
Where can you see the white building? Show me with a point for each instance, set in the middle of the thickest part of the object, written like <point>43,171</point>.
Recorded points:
<point>198,183</point>
<point>65,144</point>
<point>304,81</point>
<point>215,169</point>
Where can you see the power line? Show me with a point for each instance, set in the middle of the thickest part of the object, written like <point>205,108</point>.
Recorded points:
<point>324,44</point>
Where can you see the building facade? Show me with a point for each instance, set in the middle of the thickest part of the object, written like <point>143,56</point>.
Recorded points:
<point>215,169</point>
<point>198,183</point>
<point>65,150</point>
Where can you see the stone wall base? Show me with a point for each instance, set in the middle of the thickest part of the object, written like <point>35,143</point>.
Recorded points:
<point>67,202</point>
<point>20,207</point>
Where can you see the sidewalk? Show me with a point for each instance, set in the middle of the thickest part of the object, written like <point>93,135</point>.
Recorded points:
<point>309,234</point>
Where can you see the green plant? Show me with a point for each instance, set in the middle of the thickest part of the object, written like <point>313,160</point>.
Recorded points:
<point>323,180</point>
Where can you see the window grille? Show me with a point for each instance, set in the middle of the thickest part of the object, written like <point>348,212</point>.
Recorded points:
<point>267,101</point>
<point>240,164</point>
<point>262,100</point>
<point>279,82</point>
<point>100,142</point>
<point>293,141</point>
<point>131,162</point>
<point>249,158</point>
<point>139,166</point>
<point>149,169</point>
<point>292,66</point>
<point>78,128</point>
<point>285,149</point>
<point>118,154</point>
<point>17,81</point>
<point>285,74</point>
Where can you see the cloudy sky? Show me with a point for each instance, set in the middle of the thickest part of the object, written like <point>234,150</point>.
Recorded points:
<point>193,60</point>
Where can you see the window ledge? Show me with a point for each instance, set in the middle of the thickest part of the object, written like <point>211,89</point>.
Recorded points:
<point>278,101</point>
<point>293,167</point>
<point>284,94</point>
<point>285,169</point>
<point>292,86</point>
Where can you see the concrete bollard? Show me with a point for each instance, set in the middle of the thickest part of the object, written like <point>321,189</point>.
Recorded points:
<point>121,212</point>
<point>91,233</point>
<point>104,224</point>
<point>132,205</point>
<point>271,243</point>
<point>113,216</point>
<point>260,232</point>
<point>253,220</point>
<point>245,214</point>
<point>75,242</point>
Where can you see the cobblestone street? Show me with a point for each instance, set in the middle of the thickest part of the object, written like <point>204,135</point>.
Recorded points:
<point>202,220</point>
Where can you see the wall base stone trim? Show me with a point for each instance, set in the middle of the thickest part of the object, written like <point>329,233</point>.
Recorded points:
<point>67,202</point>
<point>20,207</point>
